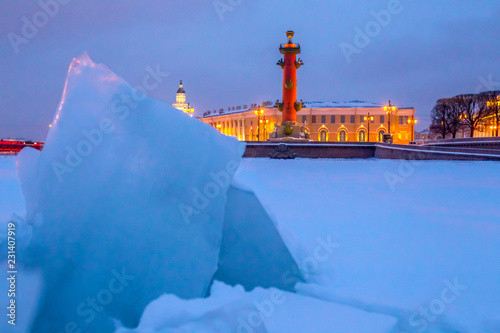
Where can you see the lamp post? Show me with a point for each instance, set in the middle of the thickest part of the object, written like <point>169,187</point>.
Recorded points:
<point>264,122</point>
<point>412,122</point>
<point>189,110</point>
<point>494,128</point>
<point>370,119</point>
<point>389,109</point>
<point>259,112</point>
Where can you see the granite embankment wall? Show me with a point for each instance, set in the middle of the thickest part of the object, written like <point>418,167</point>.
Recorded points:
<point>403,152</point>
<point>473,143</point>
<point>349,150</point>
<point>310,150</point>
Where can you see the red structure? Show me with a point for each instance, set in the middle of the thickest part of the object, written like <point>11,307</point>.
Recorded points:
<point>12,147</point>
<point>289,107</point>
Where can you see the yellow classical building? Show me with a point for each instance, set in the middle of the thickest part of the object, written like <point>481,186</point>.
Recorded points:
<point>354,121</point>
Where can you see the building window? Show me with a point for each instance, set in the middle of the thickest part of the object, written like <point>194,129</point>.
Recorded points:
<point>251,122</point>
<point>323,119</point>
<point>381,136</point>
<point>353,119</point>
<point>405,120</point>
<point>323,135</point>
<point>342,135</point>
<point>400,120</point>
<point>313,119</point>
<point>304,119</point>
<point>361,119</point>
<point>382,119</point>
<point>332,118</point>
<point>362,136</point>
<point>342,119</point>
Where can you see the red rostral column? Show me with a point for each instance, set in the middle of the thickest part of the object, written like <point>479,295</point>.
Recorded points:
<point>289,107</point>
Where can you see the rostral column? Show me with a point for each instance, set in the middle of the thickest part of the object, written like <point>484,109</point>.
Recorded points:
<point>289,107</point>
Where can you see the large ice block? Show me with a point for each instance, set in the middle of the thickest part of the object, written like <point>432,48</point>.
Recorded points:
<point>131,193</point>
<point>253,253</point>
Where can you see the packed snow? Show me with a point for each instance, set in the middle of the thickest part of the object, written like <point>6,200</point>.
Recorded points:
<point>420,240</point>
<point>136,218</point>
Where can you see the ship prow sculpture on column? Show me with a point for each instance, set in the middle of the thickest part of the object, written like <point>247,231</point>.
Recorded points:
<point>289,130</point>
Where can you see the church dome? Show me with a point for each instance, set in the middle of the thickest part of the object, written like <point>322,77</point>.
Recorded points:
<point>181,89</point>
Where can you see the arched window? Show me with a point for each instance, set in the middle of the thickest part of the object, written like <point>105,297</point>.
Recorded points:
<point>342,136</point>
<point>362,136</point>
<point>381,136</point>
<point>323,135</point>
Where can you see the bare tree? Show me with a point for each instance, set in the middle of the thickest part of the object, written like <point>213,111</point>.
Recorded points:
<point>473,108</point>
<point>453,117</point>
<point>438,117</point>
<point>493,104</point>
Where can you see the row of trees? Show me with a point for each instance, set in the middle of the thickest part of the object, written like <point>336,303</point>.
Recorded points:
<point>470,112</point>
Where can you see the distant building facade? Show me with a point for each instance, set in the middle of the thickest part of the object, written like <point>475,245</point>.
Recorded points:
<point>354,121</point>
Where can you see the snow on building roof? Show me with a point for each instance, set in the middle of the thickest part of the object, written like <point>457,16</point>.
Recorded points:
<point>307,105</point>
<point>349,104</point>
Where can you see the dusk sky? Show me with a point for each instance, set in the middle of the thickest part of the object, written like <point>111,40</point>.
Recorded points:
<point>227,56</point>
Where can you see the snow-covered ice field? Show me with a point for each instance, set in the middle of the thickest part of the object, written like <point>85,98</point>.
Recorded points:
<point>407,230</point>
<point>384,246</point>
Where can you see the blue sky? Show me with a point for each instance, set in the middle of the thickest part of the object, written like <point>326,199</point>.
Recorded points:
<point>426,50</point>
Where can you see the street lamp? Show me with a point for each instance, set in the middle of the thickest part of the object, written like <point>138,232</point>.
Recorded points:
<point>412,122</point>
<point>493,128</point>
<point>390,109</point>
<point>264,121</point>
<point>189,110</point>
<point>259,112</point>
<point>370,119</point>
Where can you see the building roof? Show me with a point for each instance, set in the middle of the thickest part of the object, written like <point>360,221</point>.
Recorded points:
<point>181,89</point>
<point>310,105</point>
<point>350,104</point>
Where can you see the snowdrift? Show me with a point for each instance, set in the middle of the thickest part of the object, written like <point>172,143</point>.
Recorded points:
<point>232,310</point>
<point>129,200</point>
